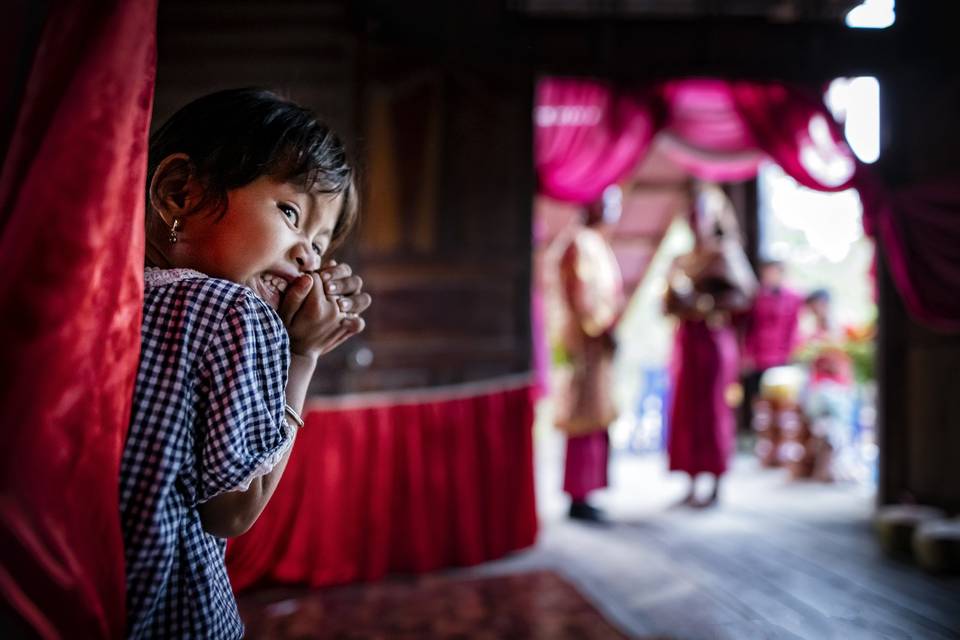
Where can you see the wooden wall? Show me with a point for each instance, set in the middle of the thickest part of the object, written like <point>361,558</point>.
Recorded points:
<point>446,242</point>
<point>919,368</point>
<point>445,152</point>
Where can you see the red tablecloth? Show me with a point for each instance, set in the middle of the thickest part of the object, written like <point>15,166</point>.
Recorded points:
<point>409,482</point>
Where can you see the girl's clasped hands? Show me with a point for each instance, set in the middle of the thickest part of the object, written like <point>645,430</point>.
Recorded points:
<point>323,309</point>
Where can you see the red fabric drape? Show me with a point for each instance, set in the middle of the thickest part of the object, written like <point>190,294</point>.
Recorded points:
<point>397,484</point>
<point>71,259</point>
<point>715,127</point>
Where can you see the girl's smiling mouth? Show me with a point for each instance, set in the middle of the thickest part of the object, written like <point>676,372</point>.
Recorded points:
<point>271,288</point>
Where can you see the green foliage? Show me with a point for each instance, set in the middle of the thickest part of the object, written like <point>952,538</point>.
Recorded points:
<point>863,355</point>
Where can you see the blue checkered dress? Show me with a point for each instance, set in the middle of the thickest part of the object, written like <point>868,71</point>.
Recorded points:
<point>207,418</point>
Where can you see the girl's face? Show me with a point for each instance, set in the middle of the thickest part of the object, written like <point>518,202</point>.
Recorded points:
<point>271,233</point>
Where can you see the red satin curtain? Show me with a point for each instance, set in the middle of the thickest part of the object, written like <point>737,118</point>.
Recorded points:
<point>397,483</point>
<point>719,130</point>
<point>71,265</point>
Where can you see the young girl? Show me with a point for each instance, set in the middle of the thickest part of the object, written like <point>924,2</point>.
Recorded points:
<point>246,194</point>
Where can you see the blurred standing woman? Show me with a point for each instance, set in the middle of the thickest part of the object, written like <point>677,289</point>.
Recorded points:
<point>704,289</point>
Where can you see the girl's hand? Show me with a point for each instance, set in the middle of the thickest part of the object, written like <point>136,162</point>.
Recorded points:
<point>346,288</point>
<point>312,319</point>
<point>341,283</point>
<point>321,310</point>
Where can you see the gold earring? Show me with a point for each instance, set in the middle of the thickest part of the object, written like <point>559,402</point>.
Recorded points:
<point>173,231</point>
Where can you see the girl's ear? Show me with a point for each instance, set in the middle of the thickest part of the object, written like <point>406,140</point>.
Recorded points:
<point>174,190</point>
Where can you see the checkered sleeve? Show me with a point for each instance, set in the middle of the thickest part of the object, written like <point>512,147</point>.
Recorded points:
<point>241,432</point>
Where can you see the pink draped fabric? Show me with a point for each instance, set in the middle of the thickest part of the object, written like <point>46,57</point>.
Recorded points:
<point>586,133</point>
<point>587,137</point>
<point>401,483</point>
<point>919,227</point>
<point>704,132</point>
<point>784,122</point>
<point>719,130</point>
<point>71,259</point>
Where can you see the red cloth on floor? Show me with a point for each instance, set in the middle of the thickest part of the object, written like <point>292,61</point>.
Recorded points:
<point>397,485</point>
<point>701,423</point>
<point>585,464</point>
<point>71,259</point>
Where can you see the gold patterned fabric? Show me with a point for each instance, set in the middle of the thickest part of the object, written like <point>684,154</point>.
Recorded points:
<point>593,292</point>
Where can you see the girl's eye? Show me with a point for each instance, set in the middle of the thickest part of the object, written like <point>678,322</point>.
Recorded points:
<point>318,250</point>
<point>292,214</point>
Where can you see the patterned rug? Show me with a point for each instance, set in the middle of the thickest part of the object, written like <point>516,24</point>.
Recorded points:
<point>533,605</point>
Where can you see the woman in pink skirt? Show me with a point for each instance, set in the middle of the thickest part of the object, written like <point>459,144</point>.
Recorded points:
<point>705,288</point>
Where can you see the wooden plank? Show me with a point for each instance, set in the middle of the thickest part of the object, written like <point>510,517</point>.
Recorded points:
<point>776,559</point>
<point>645,586</point>
<point>849,549</point>
<point>796,565</point>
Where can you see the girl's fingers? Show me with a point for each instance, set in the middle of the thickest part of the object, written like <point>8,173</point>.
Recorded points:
<point>325,309</point>
<point>355,304</point>
<point>345,286</point>
<point>335,340</point>
<point>335,272</point>
<point>349,327</point>
<point>361,302</point>
<point>317,320</point>
<point>297,292</point>
<point>353,324</point>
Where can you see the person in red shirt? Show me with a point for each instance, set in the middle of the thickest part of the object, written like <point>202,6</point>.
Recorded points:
<point>770,331</point>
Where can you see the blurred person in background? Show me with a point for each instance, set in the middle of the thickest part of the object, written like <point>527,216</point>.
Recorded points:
<point>770,332</point>
<point>592,289</point>
<point>828,399</point>
<point>705,288</point>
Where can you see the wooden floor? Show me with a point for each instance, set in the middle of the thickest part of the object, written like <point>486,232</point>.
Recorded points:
<point>776,559</point>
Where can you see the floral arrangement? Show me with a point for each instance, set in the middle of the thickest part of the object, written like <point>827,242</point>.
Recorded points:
<point>858,346</point>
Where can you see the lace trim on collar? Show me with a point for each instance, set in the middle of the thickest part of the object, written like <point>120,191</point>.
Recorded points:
<point>157,277</point>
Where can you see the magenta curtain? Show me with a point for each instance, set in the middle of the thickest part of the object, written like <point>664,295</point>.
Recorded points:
<point>407,483</point>
<point>720,130</point>
<point>704,132</point>
<point>71,259</point>
<point>587,137</point>
<point>784,122</point>
<point>919,228</point>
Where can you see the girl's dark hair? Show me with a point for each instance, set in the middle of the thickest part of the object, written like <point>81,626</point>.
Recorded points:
<point>235,136</point>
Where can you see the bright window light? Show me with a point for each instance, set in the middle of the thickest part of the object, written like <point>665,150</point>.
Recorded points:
<point>856,103</point>
<point>822,157</point>
<point>872,14</point>
<point>830,223</point>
